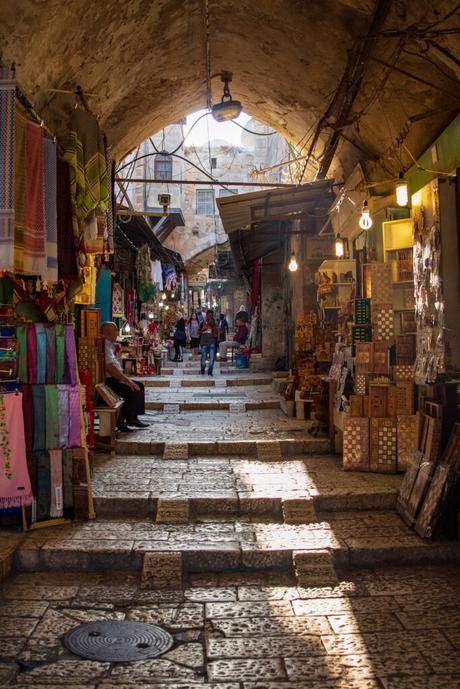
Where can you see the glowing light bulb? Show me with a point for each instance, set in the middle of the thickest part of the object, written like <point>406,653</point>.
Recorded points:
<point>293,265</point>
<point>160,304</point>
<point>166,308</point>
<point>163,296</point>
<point>173,294</point>
<point>365,221</point>
<point>151,316</point>
<point>402,191</point>
<point>127,328</point>
<point>339,246</point>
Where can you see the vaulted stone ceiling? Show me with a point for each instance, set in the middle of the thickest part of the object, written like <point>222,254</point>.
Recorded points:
<point>145,63</point>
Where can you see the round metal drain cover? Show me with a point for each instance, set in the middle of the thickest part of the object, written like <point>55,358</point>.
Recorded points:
<point>118,641</point>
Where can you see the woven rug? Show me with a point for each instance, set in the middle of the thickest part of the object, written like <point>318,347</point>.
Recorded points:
<point>7,95</point>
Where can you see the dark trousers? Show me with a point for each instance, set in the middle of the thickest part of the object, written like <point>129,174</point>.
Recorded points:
<point>134,399</point>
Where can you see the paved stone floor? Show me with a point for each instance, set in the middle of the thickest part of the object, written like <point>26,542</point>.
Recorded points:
<point>220,425</point>
<point>389,628</point>
<point>267,533</point>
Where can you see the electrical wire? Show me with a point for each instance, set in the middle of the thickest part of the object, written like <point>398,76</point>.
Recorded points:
<point>251,132</point>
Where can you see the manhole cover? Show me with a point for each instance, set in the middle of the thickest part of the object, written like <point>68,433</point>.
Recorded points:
<point>118,641</point>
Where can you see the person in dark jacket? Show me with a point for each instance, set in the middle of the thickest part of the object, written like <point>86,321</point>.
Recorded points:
<point>223,328</point>
<point>180,337</point>
<point>239,339</point>
<point>208,337</point>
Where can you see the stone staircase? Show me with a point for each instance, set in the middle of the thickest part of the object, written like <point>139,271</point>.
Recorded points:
<point>208,490</point>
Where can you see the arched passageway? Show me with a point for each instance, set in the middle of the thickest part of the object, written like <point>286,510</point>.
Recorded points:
<point>146,64</point>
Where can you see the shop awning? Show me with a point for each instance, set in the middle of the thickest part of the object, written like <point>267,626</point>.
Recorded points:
<point>256,223</point>
<point>137,232</point>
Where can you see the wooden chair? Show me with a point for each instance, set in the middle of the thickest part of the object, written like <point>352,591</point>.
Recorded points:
<point>106,438</point>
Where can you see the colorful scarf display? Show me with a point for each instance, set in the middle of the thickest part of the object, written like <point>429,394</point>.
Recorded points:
<point>59,376</point>
<point>74,417</point>
<point>70,355</point>
<point>50,163</point>
<point>7,132</point>
<point>15,487</point>
<point>65,226</point>
<point>67,461</point>
<point>39,409</point>
<point>50,353</point>
<point>52,417</point>
<point>57,504</point>
<point>40,336</point>
<point>63,405</point>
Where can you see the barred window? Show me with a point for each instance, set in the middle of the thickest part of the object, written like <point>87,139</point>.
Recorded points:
<point>163,167</point>
<point>205,202</point>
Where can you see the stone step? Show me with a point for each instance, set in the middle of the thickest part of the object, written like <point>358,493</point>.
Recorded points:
<point>127,445</point>
<point>291,491</point>
<point>195,371</point>
<point>362,539</point>
<point>213,405</point>
<point>160,382</point>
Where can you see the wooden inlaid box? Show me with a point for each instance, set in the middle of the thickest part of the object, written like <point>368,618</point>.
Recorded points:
<point>383,446</point>
<point>378,395</point>
<point>407,441</point>
<point>380,359</point>
<point>403,372</point>
<point>405,350</point>
<point>378,282</point>
<point>383,322</point>
<point>418,492</point>
<point>364,359</point>
<point>356,444</point>
<point>431,508</point>
<point>404,397</point>
<point>357,405</point>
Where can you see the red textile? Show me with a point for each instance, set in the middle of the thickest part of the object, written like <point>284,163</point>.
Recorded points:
<point>34,213</point>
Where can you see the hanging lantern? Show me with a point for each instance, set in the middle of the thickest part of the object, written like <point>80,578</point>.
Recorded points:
<point>293,265</point>
<point>365,221</point>
<point>339,246</point>
<point>402,192</point>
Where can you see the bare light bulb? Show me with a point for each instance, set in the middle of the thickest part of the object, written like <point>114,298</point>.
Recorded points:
<point>402,192</point>
<point>365,221</point>
<point>160,304</point>
<point>166,308</point>
<point>339,246</point>
<point>151,316</point>
<point>127,328</point>
<point>293,265</point>
<point>163,296</point>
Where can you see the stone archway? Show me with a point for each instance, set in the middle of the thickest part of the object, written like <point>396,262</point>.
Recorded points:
<point>145,64</point>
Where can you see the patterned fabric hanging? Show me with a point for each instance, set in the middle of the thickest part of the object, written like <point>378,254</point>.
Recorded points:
<point>7,98</point>
<point>118,301</point>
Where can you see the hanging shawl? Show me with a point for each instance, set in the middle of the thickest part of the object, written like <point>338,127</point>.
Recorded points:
<point>29,230</point>
<point>51,271</point>
<point>85,153</point>
<point>15,488</point>
<point>7,95</point>
<point>65,228</point>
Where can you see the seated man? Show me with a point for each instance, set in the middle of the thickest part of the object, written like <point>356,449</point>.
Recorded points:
<point>239,339</point>
<point>131,391</point>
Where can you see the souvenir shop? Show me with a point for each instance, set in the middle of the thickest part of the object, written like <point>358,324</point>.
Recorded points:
<point>378,359</point>
<point>59,279</point>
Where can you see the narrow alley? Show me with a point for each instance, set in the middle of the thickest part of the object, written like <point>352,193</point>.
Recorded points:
<point>229,344</point>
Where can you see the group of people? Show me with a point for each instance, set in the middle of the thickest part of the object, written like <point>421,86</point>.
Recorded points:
<point>202,331</point>
<point>205,334</point>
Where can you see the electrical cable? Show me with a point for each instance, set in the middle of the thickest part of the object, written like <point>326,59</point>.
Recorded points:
<point>251,132</point>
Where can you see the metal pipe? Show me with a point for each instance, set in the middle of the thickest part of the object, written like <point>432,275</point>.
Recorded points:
<point>204,182</point>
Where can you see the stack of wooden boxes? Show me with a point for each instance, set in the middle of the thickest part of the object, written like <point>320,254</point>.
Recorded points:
<point>379,435</point>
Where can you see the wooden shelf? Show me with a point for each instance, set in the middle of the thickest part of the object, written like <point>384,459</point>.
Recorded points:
<point>403,282</point>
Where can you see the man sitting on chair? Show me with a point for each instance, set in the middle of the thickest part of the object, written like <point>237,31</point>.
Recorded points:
<point>131,391</point>
<point>239,339</point>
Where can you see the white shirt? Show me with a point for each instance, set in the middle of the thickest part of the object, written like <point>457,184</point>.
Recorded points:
<point>111,357</point>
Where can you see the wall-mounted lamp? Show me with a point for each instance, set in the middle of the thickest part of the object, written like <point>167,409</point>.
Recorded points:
<point>293,265</point>
<point>365,221</point>
<point>402,191</point>
<point>339,246</point>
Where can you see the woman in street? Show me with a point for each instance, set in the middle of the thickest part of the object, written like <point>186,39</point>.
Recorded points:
<point>208,338</point>
<point>194,333</point>
<point>180,337</point>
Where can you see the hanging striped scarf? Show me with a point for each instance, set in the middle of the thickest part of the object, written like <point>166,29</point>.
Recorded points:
<point>7,96</point>
<point>50,157</point>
